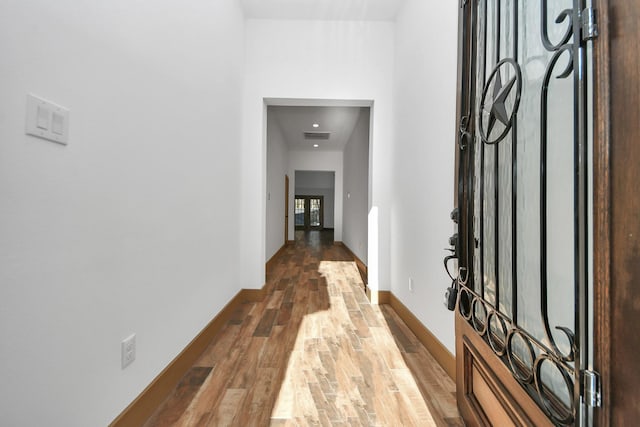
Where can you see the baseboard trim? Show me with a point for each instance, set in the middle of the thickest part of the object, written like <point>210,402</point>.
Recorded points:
<point>159,389</point>
<point>384,297</point>
<point>362,267</point>
<point>439,352</point>
<point>377,297</point>
<point>139,411</point>
<point>275,256</point>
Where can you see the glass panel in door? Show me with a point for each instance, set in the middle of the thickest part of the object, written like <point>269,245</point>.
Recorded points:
<point>315,205</point>
<point>299,212</point>
<point>527,255</point>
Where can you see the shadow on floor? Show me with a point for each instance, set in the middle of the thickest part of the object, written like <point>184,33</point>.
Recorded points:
<point>314,352</point>
<point>238,377</point>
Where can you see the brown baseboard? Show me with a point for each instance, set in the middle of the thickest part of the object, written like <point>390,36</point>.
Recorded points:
<point>439,352</point>
<point>384,297</point>
<point>152,397</point>
<point>275,256</point>
<point>137,413</point>
<point>377,297</point>
<point>362,267</point>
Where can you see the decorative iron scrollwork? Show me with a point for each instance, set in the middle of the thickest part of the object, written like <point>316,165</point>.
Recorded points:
<point>549,372</point>
<point>544,310</point>
<point>523,354</point>
<point>532,360</point>
<point>565,15</point>
<point>495,108</point>
<point>557,411</point>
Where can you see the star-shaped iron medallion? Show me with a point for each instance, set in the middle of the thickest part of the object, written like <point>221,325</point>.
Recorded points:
<point>496,109</point>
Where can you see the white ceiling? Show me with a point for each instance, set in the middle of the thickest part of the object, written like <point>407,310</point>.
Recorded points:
<point>294,121</point>
<point>329,10</point>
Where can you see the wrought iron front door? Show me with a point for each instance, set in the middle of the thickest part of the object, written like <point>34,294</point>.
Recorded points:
<point>522,312</point>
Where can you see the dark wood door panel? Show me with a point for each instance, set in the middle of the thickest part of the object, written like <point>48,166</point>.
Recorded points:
<point>487,392</point>
<point>617,211</point>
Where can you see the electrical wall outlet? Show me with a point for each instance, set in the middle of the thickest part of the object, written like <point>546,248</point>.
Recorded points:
<point>410,284</point>
<point>128,351</point>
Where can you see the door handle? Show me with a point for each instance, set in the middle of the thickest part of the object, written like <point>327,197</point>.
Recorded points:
<point>451,294</point>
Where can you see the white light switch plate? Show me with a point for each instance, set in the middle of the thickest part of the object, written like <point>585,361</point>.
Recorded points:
<point>128,351</point>
<point>47,120</point>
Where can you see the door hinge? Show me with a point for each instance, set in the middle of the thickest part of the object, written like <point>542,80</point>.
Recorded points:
<point>589,24</point>
<point>592,389</point>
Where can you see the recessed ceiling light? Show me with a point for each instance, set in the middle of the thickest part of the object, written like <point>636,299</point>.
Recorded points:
<point>315,125</point>
<point>315,145</point>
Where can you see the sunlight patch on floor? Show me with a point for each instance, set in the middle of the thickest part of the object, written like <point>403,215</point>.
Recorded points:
<point>343,368</point>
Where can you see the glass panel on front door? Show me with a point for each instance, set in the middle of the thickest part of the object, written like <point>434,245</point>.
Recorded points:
<point>314,212</point>
<point>299,212</point>
<point>524,283</point>
<point>308,212</point>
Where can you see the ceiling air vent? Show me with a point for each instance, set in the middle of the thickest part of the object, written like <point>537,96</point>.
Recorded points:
<point>317,135</point>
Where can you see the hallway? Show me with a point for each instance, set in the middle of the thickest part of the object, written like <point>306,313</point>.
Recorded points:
<point>314,352</point>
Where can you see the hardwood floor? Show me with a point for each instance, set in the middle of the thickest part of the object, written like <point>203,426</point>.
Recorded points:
<point>314,352</point>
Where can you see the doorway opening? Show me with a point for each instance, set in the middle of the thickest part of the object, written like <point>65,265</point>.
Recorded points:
<point>327,141</point>
<point>315,200</point>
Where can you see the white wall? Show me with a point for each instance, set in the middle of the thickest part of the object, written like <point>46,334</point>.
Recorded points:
<point>129,227</point>
<point>319,184</point>
<point>324,161</point>
<point>317,60</point>
<point>356,193</point>
<point>277,168</point>
<point>423,151</point>
<point>315,179</point>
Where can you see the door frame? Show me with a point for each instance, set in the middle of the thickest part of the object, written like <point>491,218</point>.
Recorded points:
<point>617,210</point>
<point>286,209</point>
<point>616,155</point>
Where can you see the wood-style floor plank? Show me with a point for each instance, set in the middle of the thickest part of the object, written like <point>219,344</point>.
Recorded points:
<point>173,408</point>
<point>314,352</point>
<point>228,409</point>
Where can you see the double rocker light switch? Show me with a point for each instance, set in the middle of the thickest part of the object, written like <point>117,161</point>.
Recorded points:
<point>47,120</point>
